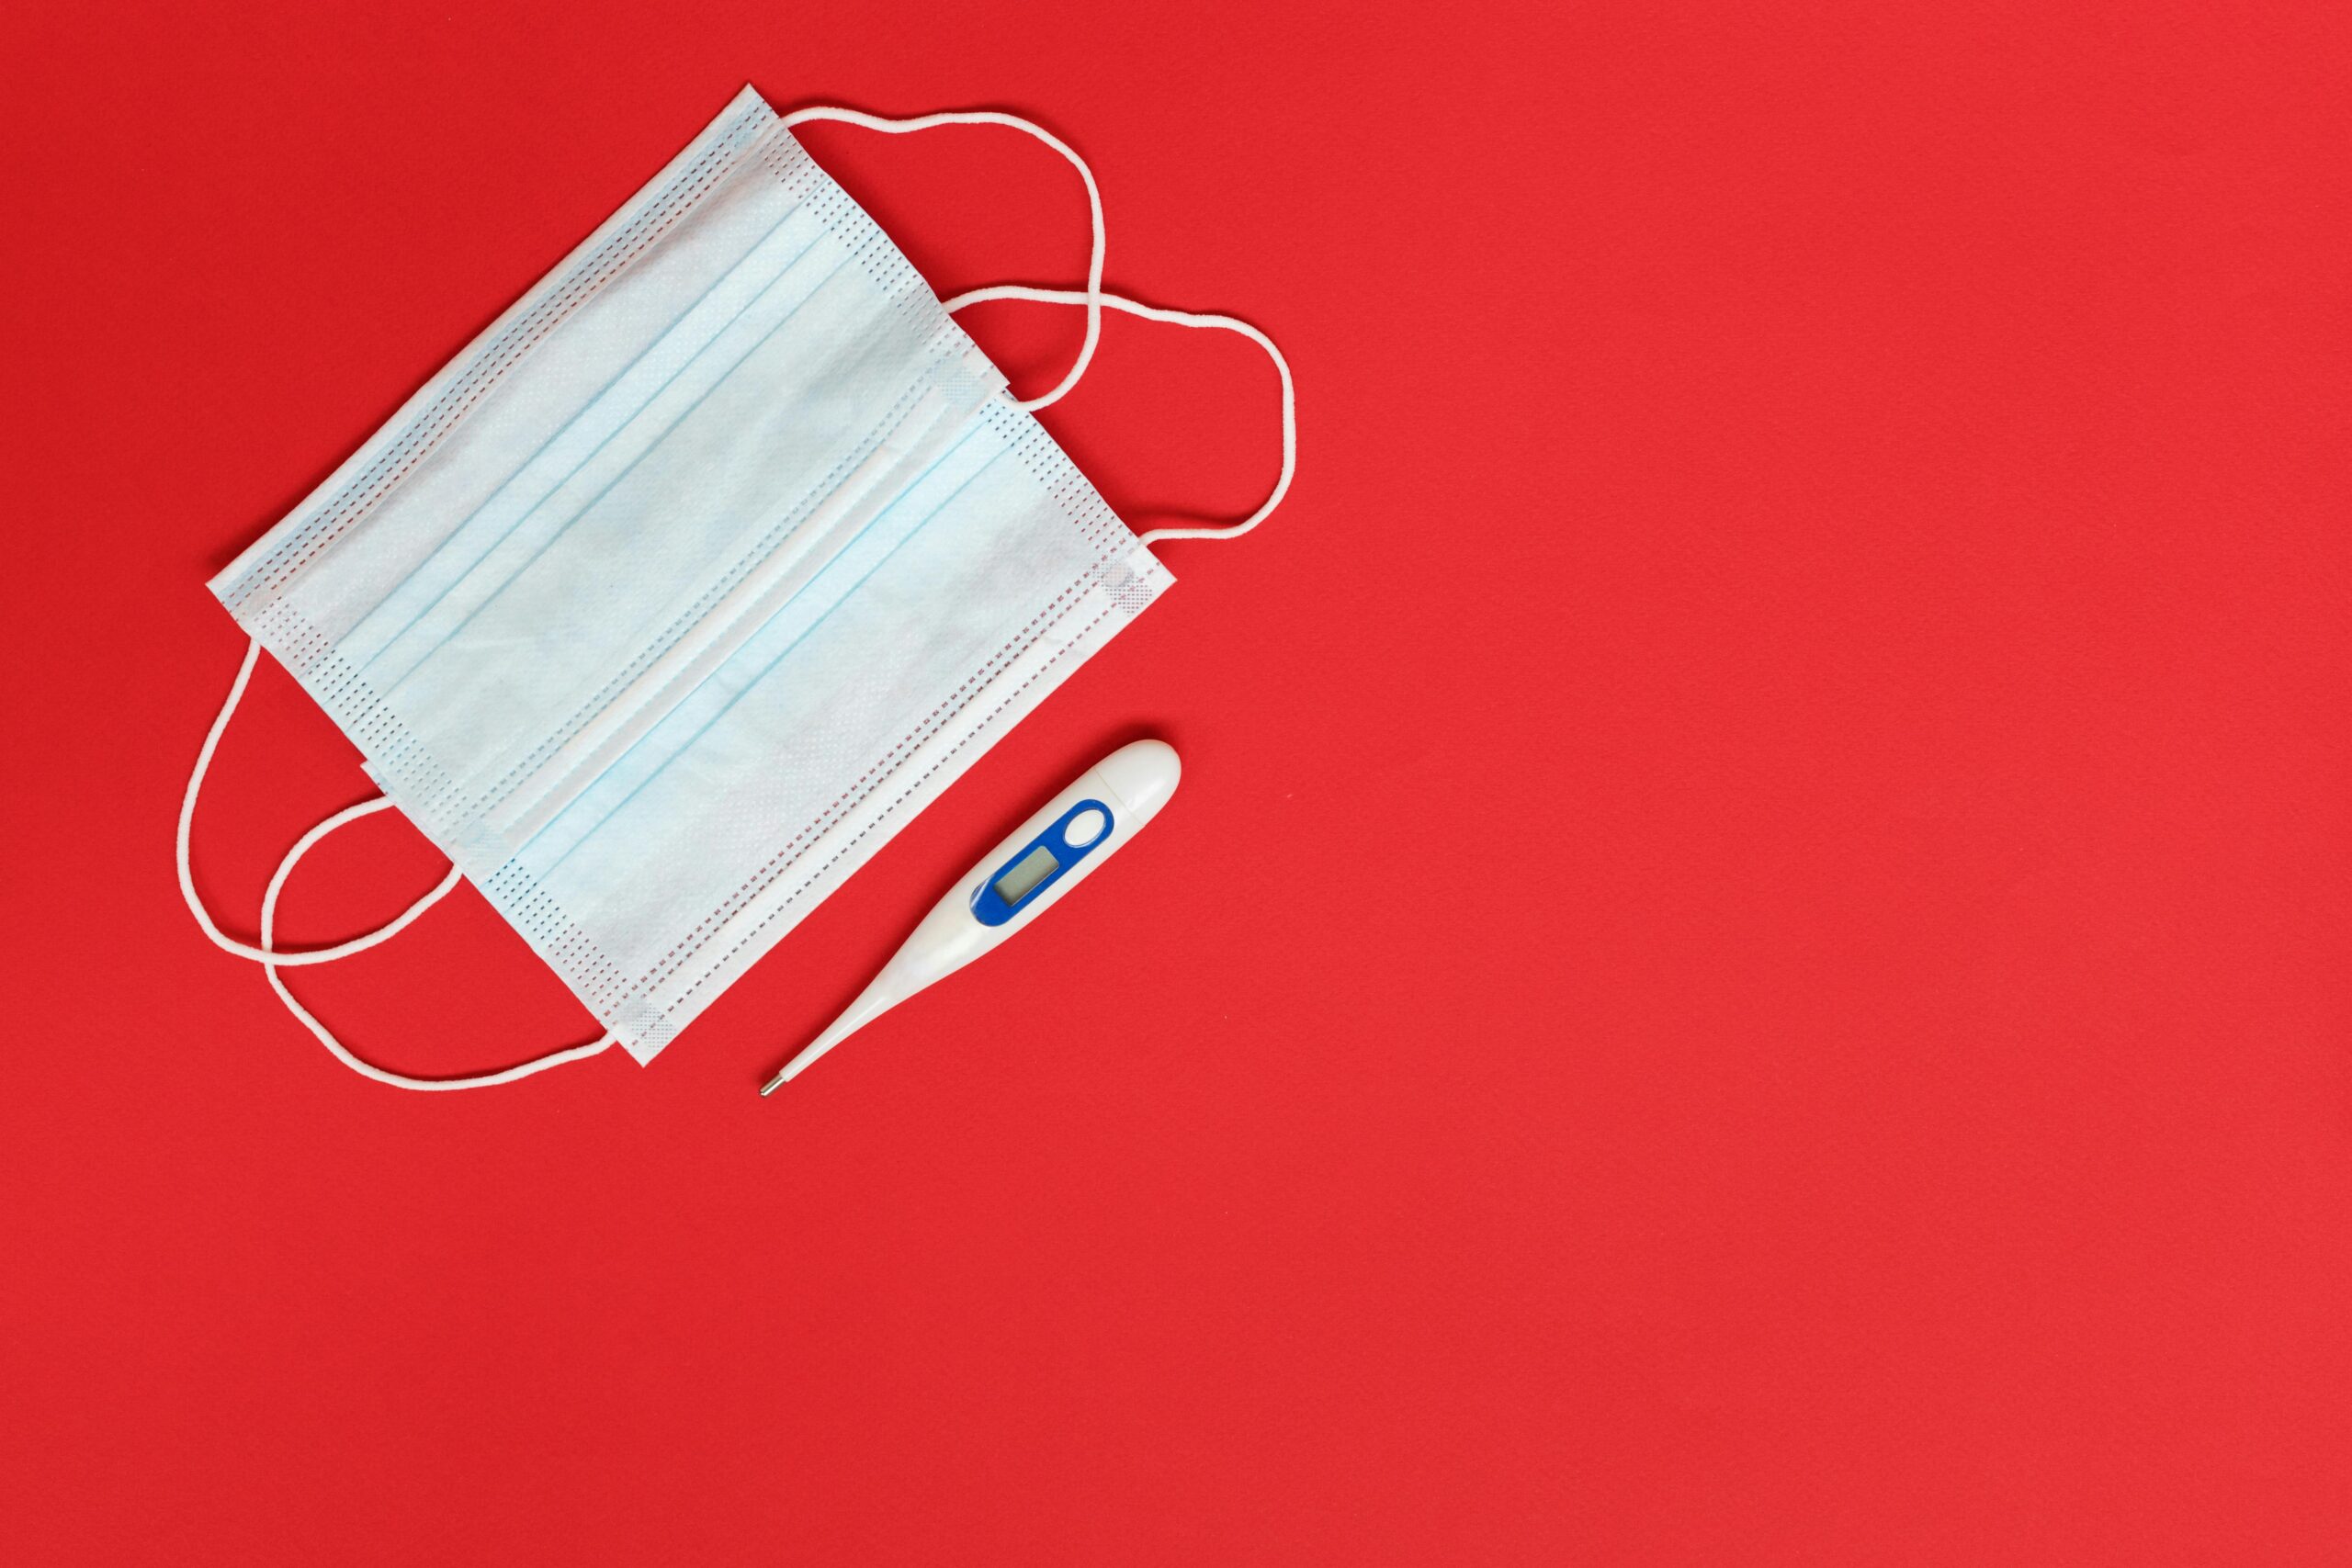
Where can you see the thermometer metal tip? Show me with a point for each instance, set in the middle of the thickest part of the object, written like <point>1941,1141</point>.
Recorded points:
<point>1043,859</point>
<point>888,986</point>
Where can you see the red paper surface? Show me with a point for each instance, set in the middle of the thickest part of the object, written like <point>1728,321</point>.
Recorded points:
<point>1750,967</point>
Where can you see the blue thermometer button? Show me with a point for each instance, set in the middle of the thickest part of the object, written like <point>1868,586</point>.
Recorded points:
<point>1042,861</point>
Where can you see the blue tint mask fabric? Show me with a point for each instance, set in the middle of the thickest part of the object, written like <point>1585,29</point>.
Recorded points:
<point>675,595</point>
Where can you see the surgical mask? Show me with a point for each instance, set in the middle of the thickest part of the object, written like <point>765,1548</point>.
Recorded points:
<point>707,567</point>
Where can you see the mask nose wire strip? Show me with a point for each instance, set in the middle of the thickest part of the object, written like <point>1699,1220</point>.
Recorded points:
<point>1091,299</point>
<point>326,1038</point>
<point>188,881</point>
<point>1093,295</point>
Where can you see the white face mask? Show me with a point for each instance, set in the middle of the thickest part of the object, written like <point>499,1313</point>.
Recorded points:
<point>708,564</point>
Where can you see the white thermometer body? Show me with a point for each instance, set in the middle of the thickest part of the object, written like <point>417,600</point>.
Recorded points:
<point>1019,880</point>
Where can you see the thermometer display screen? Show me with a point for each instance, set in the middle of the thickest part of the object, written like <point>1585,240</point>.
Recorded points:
<point>1025,873</point>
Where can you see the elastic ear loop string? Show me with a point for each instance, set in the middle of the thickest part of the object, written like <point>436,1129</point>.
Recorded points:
<point>1093,295</point>
<point>273,961</point>
<point>188,881</point>
<point>326,1038</point>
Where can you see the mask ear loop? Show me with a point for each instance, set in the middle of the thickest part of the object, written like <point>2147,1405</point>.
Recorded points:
<point>326,1037</point>
<point>1094,297</point>
<point>272,959</point>
<point>263,955</point>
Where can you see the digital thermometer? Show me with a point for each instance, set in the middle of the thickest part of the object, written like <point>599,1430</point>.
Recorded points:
<point>1019,880</point>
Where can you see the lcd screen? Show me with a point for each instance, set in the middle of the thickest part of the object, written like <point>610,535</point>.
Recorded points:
<point>1027,872</point>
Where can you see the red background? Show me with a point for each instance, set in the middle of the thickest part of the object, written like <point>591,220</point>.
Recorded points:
<point>1751,965</point>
